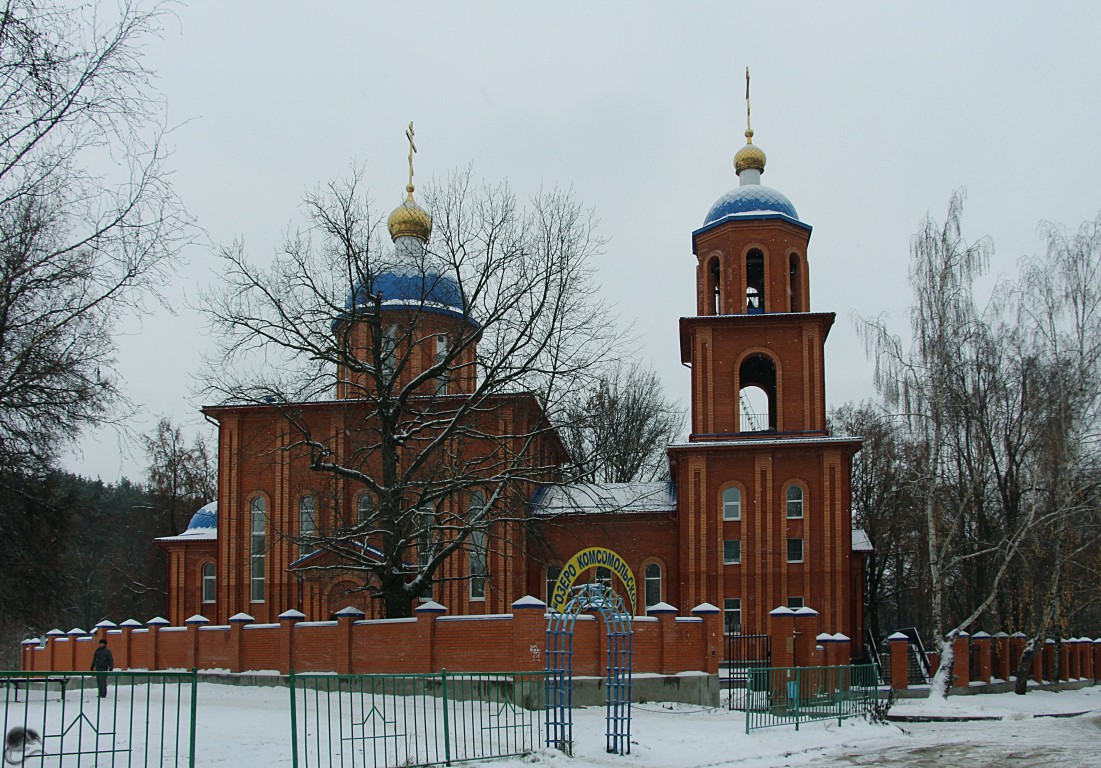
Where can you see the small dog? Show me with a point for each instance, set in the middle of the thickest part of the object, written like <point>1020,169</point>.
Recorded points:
<point>21,743</point>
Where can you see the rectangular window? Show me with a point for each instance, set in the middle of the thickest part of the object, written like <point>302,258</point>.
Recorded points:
<point>442,381</point>
<point>732,551</point>
<point>795,602</point>
<point>389,349</point>
<point>795,550</point>
<point>732,615</point>
<point>732,504</point>
<point>553,572</point>
<point>478,565</point>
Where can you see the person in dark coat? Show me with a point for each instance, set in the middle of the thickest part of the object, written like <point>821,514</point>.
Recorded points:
<point>102,661</point>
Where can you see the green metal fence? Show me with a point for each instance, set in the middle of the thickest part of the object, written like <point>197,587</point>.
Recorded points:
<point>59,718</point>
<point>411,720</point>
<point>792,695</point>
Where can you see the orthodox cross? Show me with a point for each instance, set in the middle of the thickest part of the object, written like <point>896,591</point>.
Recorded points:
<point>412,149</point>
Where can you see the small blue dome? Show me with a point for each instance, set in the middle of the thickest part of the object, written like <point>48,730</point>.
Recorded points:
<point>750,199</point>
<point>206,517</point>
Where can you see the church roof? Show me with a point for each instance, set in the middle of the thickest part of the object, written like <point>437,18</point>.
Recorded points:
<point>417,291</point>
<point>604,498</point>
<point>750,200</point>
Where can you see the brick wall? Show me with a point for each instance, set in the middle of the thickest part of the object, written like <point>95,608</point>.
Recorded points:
<point>433,640</point>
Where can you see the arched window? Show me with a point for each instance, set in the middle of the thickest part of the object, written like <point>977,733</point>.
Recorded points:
<point>307,525</point>
<point>442,380</point>
<point>210,583</point>
<point>652,576</point>
<point>259,509</point>
<point>795,293</point>
<point>477,551</point>
<point>755,282</point>
<point>757,394</point>
<point>363,508</point>
<point>714,286</point>
<point>795,501</point>
<point>732,504</point>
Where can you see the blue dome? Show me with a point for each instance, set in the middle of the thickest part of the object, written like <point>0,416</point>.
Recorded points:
<point>750,199</point>
<point>206,517</point>
<point>423,292</point>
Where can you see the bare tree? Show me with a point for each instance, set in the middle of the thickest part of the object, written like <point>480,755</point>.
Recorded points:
<point>88,221</point>
<point>935,383</point>
<point>449,395</point>
<point>618,431</point>
<point>181,477</point>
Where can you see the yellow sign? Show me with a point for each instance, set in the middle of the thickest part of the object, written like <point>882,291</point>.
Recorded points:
<point>583,561</point>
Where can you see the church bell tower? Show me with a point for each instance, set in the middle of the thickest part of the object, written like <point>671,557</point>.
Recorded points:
<point>763,489</point>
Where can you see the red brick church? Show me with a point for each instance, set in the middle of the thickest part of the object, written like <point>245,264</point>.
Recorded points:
<point>758,513</point>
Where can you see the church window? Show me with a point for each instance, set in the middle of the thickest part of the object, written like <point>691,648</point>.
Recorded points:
<point>795,501</point>
<point>652,576</point>
<point>389,350</point>
<point>443,379</point>
<point>210,583</point>
<point>553,572</point>
<point>602,575</point>
<point>732,615</point>
<point>795,602</point>
<point>477,551</point>
<point>258,548</point>
<point>307,525</point>
<point>363,508</point>
<point>795,550</point>
<point>732,551</point>
<point>732,504</point>
<point>755,282</point>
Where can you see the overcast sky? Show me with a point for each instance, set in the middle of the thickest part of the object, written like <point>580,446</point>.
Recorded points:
<point>870,116</point>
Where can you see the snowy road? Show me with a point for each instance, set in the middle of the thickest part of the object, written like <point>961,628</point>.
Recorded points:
<point>1047,742</point>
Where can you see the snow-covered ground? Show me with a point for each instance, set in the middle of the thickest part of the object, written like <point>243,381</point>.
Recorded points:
<point>246,726</point>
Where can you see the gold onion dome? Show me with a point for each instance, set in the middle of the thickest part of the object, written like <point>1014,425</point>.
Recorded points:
<point>409,219</point>
<point>750,156</point>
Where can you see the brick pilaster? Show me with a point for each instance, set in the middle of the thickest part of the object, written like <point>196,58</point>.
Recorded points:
<point>900,661</point>
<point>667,616</point>
<point>980,646</point>
<point>529,627</point>
<point>712,635</point>
<point>427,613</point>
<point>287,622</point>
<point>193,624</point>
<point>345,621</point>
<point>237,624</point>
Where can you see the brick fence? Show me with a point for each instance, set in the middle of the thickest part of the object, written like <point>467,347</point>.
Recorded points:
<point>983,658</point>
<point>663,643</point>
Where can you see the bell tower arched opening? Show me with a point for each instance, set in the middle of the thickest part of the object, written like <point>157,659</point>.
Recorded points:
<point>755,282</point>
<point>795,292</point>
<point>757,394</point>
<point>714,286</point>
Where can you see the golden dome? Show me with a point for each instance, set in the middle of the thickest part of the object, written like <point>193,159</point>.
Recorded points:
<point>409,220</point>
<point>750,156</point>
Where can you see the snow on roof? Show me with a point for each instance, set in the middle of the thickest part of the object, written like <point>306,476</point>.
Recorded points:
<point>861,542</point>
<point>193,534</point>
<point>605,498</point>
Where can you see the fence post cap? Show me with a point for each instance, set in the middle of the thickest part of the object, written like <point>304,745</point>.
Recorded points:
<point>805,611</point>
<point>980,635</point>
<point>197,619</point>
<point>130,623</point>
<point>1000,634</point>
<point>55,633</point>
<point>240,618</point>
<point>31,641</point>
<point>1018,634</point>
<point>431,607</point>
<point>783,610</point>
<point>899,636</point>
<point>527,601</point>
<point>660,608</point>
<point>705,608</point>
<point>156,621</point>
<point>106,624</point>
<point>841,637</point>
<point>348,610</point>
<point>824,637</point>
<point>1098,640</point>
<point>75,631</point>
<point>1086,640</point>
<point>292,615</point>
<point>963,634</point>
<point>1049,641</point>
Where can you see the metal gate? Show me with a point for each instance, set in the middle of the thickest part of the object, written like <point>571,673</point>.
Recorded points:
<point>59,718</point>
<point>559,665</point>
<point>744,653</point>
